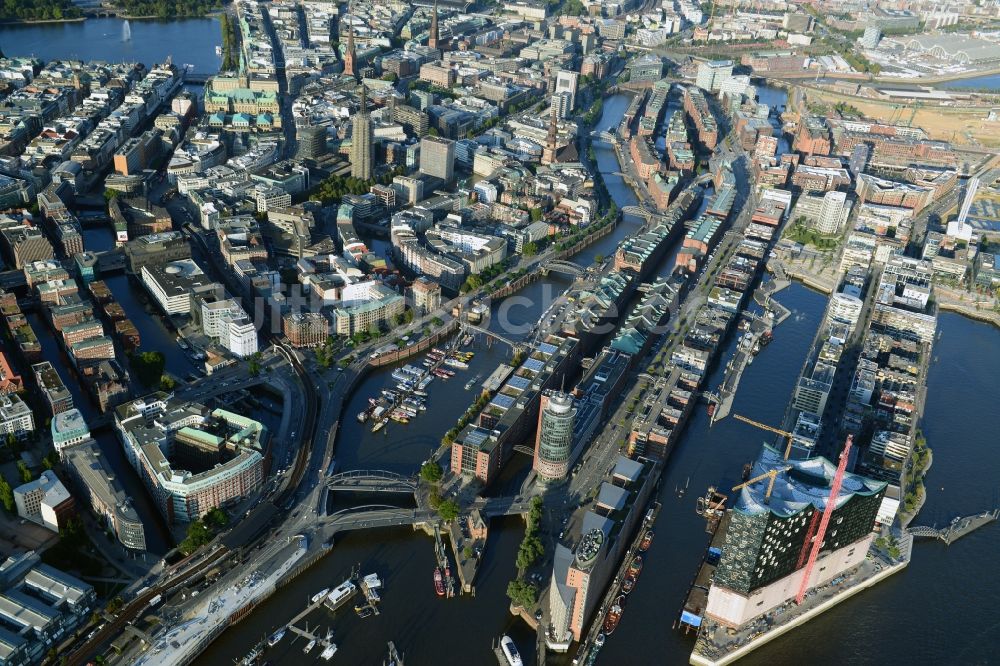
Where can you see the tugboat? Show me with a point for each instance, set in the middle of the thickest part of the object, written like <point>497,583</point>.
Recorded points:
<point>646,540</point>
<point>613,616</point>
<point>636,566</point>
<point>629,584</point>
<point>438,582</point>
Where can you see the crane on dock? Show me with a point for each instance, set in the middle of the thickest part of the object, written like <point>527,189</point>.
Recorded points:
<point>764,426</point>
<point>772,473</point>
<point>831,501</point>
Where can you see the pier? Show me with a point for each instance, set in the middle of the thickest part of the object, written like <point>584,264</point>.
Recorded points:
<point>958,528</point>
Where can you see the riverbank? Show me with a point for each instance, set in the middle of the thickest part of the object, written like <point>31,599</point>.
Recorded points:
<point>15,23</point>
<point>915,493</point>
<point>970,312</point>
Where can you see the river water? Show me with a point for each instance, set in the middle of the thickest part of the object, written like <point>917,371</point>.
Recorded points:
<point>957,603</point>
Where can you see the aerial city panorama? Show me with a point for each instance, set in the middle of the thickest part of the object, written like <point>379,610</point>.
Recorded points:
<point>473,332</point>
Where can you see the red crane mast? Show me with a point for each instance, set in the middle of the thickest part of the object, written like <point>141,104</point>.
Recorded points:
<point>838,481</point>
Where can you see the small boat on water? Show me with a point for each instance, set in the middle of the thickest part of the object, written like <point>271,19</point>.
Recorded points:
<point>276,637</point>
<point>328,652</point>
<point>438,582</point>
<point>510,652</point>
<point>378,426</point>
<point>319,595</point>
<point>599,640</point>
<point>613,616</point>
<point>629,584</point>
<point>647,539</point>
<point>309,646</point>
<point>636,565</point>
<point>711,409</point>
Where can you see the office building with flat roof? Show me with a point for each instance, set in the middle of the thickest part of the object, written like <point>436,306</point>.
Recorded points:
<point>437,158</point>
<point>94,477</point>
<point>192,458</point>
<point>68,428</point>
<point>554,439</point>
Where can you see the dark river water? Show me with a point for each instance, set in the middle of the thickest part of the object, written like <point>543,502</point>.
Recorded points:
<point>942,609</point>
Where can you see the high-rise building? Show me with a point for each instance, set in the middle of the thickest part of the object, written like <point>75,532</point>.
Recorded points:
<point>833,212</point>
<point>554,439</point>
<point>566,81</point>
<point>712,73</point>
<point>437,158</point>
<point>562,102</point>
<point>871,38</point>
<point>361,141</point>
<point>771,530</point>
<point>312,142</point>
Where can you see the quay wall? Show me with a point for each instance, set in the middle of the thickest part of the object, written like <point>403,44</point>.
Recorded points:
<point>764,639</point>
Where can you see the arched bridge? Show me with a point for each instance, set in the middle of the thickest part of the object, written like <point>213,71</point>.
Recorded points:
<point>376,515</point>
<point>372,481</point>
<point>559,266</point>
<point>493,334</point>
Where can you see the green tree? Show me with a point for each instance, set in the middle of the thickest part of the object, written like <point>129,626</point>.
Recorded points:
<point>148,366</point>
<point>448,510</point>
<point>431,472</point>
<point>522,593</point>
<point>167,383</point>
<point>530,249</point>
<point>6,495</point>
<point>24,472</point>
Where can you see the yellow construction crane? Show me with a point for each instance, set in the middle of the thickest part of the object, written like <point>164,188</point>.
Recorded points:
<point>770,484</point>
<point>764,426</point>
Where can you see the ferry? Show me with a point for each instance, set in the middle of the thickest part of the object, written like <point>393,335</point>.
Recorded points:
<point>319,595</point>
<point>636,566</point>
<point>340,594</point>
<point>309,646</point>
<point>438,582</point>
<point>510,651</point>
<point>647,539</point>
<point>629,584</point>
<point>276,637</point>
<point>613,616</point>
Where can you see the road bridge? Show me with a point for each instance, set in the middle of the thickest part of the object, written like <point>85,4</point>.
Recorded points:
<point>371,481</point>
<point>376,515</point>
<point>495,507</point>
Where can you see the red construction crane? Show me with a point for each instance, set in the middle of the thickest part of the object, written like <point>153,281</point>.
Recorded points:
<point>838,481</point>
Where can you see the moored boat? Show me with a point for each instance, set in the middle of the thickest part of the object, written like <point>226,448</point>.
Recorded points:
<point>309,646</point>
<point>629,584</point>
<point>319,595</point>
<point>510,652</point>
<point>276,637</point>
<point>613,616</point>
<point>438,582</point>
<point>381,424</point>
<point>636,565</point>
<point>647,539</point>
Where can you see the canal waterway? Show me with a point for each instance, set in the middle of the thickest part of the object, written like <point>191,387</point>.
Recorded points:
<point>943,592</point>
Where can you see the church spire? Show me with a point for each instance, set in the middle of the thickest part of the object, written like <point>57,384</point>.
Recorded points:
<point>350,56</point>
<point>433,39</point>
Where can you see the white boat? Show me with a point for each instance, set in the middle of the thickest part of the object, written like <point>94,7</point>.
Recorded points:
<point>328,652</point>
<point>340,594</point>
<point>319,595</point>
<point>510,651</point>
<point>372,582</point>
<point>276,637</point>
<point>309,646</point>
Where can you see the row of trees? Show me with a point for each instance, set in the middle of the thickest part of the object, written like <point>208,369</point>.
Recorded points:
<point>521,592</point>
<point>168,8</point>
<point>229,58</point>
<point>38,10</point>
